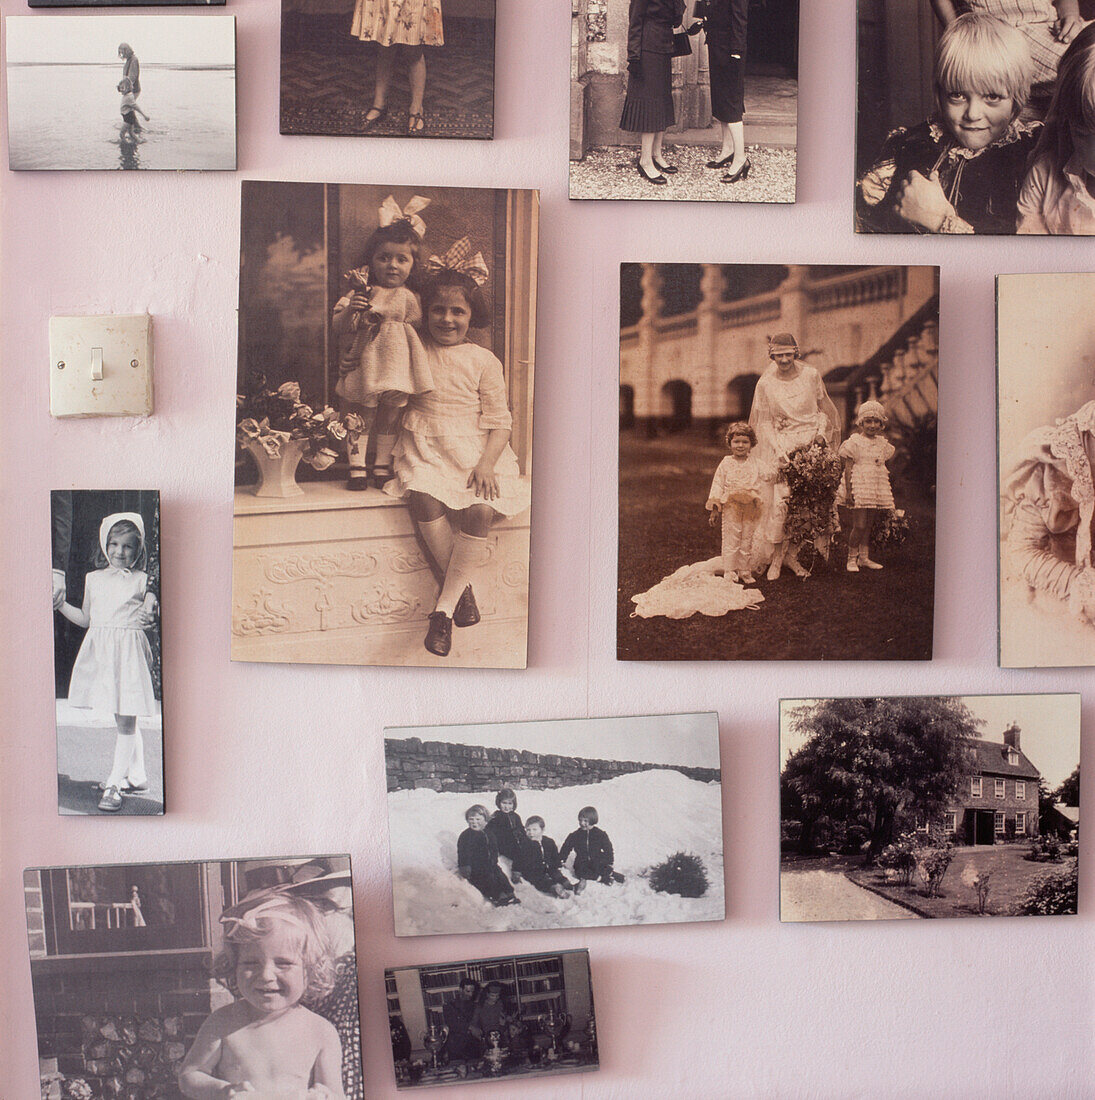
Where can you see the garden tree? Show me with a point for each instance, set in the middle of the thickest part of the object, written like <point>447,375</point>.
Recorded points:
<point>1046,812</point>
<point>875,758</point>
<point>1069,791</point>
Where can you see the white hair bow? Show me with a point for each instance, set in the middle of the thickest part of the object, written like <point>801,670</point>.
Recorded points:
<point>390,211</point>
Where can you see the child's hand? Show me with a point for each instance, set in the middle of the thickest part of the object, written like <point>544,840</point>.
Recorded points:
<point>921,201</point>
<point>713,517</point>
<point>1067,27</point>
<point>358,300</point>
<point>484,481</point>
<point>318,1092</point>
<point>244,1089</point>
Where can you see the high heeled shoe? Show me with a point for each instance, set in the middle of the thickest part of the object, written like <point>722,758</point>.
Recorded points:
<point>721,162</point>
<point>740,174</point>
<point>659,179</point>
<point>668,169</point>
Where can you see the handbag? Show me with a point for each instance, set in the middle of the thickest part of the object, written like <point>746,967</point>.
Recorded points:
<point>681,46</point>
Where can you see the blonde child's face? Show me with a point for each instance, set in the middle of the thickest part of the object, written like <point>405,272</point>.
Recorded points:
<point>976,119</point>
<point>871,426</point>
<point>122,549</point>
<point>477,822</point>
<point>740,446</point>
<point>449,317</point>
<point>533,831</point>
<point>391,264</point>
<point>270,971</point>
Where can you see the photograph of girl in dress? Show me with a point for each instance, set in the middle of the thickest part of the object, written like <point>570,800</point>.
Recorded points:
<point>540,824</point>
<point>1045,344</point>
<point>810,451</point>
<point>370,355</point>
<point>107,651</point>
<point>388,68</point>
<point>984,125</point>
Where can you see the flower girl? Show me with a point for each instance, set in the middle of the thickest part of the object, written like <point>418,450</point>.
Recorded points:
<point>866,481</point>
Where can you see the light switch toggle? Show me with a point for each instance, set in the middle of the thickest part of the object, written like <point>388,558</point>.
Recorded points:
<point>96,364</point>
<point>100,365</point>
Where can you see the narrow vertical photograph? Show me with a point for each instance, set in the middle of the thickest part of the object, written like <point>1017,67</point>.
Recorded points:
<point>492,1020</point>
<point>687,100</point>
<point>107,651</point>
<point>1045,351</point>
<point>777,462</point>
<point>923,806</point>
<point>188,980</point>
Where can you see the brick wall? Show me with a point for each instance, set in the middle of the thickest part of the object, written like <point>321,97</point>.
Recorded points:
<point>441,766</point>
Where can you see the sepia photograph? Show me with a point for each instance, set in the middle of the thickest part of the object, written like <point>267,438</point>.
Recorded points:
<point>179,981</point>
<point>384,425</point>
<point>119,3</point>
<point>523,825</point>
<point>492,1019</point>
<point>107,651</point>
<point>121,92</point>
<point>777,462</point>
<point>684,100</point>
<point>388,68</point>
<point>1045,348</point>
<point>976,116</point>
<point>929,806</point>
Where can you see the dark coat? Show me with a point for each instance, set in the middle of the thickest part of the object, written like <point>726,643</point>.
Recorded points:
<point>728,24</point>
<point>592,850</point>
<point>508,832</point>
<point>477,858</point>
<point>458,1017</point>
<point>650,26</point>
<point>541,865</point>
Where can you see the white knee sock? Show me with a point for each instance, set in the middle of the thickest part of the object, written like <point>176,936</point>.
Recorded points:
<point>385,444</point>
<point>468,554</point>
<point>357,456</point>
<point>137,775</point>
<point>438,537</point>
<point>124,744</point>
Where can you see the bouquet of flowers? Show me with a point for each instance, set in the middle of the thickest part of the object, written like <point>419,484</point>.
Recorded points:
<point>892,529</point>
<point>272,417</point>
<point>812,475</point>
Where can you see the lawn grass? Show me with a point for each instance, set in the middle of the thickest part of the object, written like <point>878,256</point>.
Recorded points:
<point>834,615</point>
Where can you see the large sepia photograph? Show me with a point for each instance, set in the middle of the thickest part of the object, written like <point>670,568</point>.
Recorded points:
<point>492,1019</point>
<point>523,825</point>
<point>976,116</point>
<point>388,68</point>
<point>929,806</point>
<point>1046,405</point>
<point>777,462</point>
<point>384,425</point>
<point>107,651</point>
<point>684,100</point>
<point>179,981</point>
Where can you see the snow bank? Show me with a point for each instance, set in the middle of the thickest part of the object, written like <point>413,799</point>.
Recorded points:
<point>647,815</point>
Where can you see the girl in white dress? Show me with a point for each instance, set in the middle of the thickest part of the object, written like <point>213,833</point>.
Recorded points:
<point>113,670</point>
<point>866,481</point>
<point>735,496</point>
<point>453,462</point>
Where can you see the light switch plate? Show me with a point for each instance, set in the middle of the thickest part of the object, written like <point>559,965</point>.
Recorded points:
<point>100,365</point>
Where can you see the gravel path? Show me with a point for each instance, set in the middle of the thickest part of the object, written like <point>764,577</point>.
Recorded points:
<point>610,173</point>
<point>828,895</point>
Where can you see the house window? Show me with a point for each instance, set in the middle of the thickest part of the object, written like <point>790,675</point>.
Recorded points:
<point>950,822</point>
<point>1020,789</point>
<point>975,786</point>
<point>1013,757</point>
<point>999,788</point>
<point>1021,823</point>
<point>999,821</point>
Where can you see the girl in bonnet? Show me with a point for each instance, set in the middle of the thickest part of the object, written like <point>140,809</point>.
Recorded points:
<point>113,669</point>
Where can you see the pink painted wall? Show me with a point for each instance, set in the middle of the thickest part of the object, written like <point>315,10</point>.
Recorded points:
<point>269,760</point>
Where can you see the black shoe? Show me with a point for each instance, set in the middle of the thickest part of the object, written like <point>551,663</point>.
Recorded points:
<point>467,610</point>
<point>659,179</point>
<point>721,163</point>
<point>740,174</point>
<point>358,483</point>
<point>668,169</point>
<point>617,877</point>
<point>379,476</point>
<point>373,123</point>
<point>439,636</point>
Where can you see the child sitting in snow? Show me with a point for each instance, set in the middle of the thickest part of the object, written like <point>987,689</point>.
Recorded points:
<point>477,859</point>
<point>506,829</point>
<point>540,862</point>
<point>592,850</point>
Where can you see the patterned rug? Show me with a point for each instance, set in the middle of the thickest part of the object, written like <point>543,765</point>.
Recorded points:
<point>327,82</point>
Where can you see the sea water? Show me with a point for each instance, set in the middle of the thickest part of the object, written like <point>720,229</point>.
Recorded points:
<point>69,117</point>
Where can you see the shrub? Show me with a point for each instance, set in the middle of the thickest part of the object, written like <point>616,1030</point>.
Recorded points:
<point>1053,894</point>
<point>854,838</point>
<point>682,873</point>
<point>982,884</point>
<point>1052,848</point>
<point>790,835</point>
<point>1009,830</point>
<point>900,857</point>
<point>933,866</point>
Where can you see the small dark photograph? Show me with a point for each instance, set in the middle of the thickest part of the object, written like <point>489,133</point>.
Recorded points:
<point>107,653</point>
<point>121,3</point>
<point>976,116</point>
<point>388,68</point>
<point>492,1019</point>
<point>178,981</point>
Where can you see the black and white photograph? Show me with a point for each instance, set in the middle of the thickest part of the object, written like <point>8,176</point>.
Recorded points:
<point>922,806</point>
<point>384,425</point>
<point>121,92</point>
<point>179,981</point>
<point>121,3</point>
<point>492,1019</point>
<point>388,68</point>
<point>1046,419</point>
<point>107,651</point>
<point>686,100</point>
<point>522,825</point>
<point>976,116</point>
<point>777,462</point>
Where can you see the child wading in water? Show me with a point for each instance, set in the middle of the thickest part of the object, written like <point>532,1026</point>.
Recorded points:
<point>113,670</point>
<point>735,495</point>
<point>453,462</point>
<point>385,362</point>
<point>866,481</point>
<point>130,110</point>
<point>477,859</point>
<point>593,856</point>
<point>267,1044</point>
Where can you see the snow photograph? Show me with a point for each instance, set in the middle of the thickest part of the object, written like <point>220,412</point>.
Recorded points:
<point>929,806</point>
<point>525,825</point>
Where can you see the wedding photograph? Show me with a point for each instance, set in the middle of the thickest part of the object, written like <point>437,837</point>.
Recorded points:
<point>523,825</point>
<point>492,1019</point>
<point>374,68</point>
<point>121,92</point>
<point>107,651</point>
<point>777,462</point>
<point>975,116</point>
<point>146,977</point>
<point>684,100</point>
<point>923,806</point>
<point>383,445</point>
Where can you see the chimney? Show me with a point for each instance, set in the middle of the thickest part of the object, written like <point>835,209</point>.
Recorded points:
<point>1011,736</point>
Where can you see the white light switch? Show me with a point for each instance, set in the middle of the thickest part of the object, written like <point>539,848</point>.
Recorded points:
<point>100,366</point>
